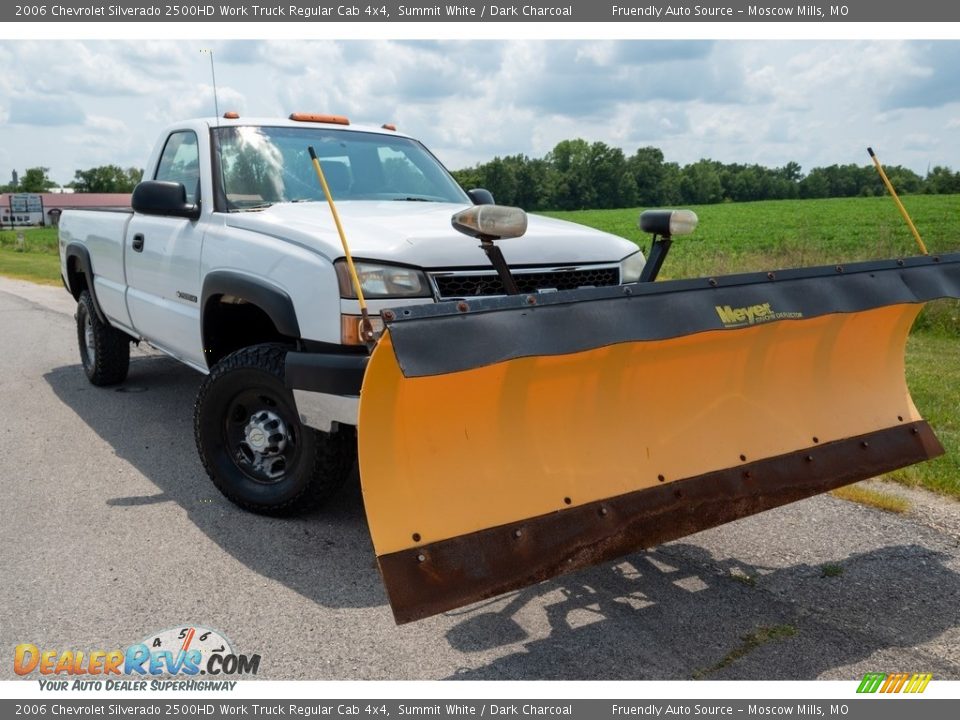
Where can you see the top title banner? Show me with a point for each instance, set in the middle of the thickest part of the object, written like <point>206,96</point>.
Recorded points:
<point>78,11</point>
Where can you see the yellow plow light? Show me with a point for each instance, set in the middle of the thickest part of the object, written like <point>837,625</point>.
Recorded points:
<point>507,440</point>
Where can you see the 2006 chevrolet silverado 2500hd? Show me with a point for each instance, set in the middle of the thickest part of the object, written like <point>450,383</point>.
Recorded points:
<point>229,261</point>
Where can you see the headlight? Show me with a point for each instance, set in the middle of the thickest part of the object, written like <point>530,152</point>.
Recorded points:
<point>382,281</point>
<point>631,267</point>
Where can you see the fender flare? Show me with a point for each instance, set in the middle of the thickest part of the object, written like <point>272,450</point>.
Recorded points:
<point>85,266</point>
<point>274,301</point>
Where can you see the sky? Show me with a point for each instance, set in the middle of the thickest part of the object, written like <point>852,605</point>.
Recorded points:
<point>71,104</point>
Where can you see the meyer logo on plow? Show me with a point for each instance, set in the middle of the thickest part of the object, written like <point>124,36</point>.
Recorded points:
<point>732,317</point>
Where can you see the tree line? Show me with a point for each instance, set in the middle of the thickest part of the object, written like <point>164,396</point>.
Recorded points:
<point>103,179</point>
<point>579,175</point>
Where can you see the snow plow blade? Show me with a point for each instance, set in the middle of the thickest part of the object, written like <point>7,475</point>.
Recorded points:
<point>505,441</point>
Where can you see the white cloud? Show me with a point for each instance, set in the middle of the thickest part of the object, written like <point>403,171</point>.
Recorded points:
<point>44,111</point>
<point>105,124</point>
<point>815,102</point>
<point>196,100</point>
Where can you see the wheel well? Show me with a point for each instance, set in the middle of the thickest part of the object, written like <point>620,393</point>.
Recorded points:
<point>75,277</point>
<point>230,323</point>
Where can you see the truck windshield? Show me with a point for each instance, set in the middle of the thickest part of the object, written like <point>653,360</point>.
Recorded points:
<point>265,165</point>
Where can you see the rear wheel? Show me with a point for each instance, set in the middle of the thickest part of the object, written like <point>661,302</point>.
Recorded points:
<point>252,443</point>
<point>104,351</point>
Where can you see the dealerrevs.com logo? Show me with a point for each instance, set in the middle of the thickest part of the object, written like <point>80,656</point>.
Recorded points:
<point>177,655</point>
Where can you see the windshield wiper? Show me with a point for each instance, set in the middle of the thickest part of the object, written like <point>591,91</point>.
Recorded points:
<point>414,199</point>
<point>258,206</point>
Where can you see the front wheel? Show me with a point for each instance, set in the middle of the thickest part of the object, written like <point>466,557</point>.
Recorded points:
<point>252,443</point>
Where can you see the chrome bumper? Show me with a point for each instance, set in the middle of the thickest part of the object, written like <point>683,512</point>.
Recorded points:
<point>326,387</point>
<point>321,410</point>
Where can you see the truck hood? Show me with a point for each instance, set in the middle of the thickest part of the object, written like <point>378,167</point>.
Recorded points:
<point>420,234</point>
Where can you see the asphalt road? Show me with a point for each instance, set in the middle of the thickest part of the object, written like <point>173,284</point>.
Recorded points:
<point>111,531</point>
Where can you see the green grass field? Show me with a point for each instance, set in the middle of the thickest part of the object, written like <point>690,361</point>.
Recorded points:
<point>741,237</point>
<point>36,260</point>
<point>933,374</point>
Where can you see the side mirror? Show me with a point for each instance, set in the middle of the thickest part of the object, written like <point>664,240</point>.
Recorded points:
<point>159,197</point>
<point>491,222</point>
<point>480,196</point>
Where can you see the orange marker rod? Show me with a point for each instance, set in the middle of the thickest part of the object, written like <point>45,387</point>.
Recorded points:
<point>893,194</point>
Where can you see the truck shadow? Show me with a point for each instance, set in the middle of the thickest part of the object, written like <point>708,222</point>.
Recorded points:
<point>676,613</point>
<point>148,421</point>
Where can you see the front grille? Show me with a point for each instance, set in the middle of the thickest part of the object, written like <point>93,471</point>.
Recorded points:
<point>487,283</point>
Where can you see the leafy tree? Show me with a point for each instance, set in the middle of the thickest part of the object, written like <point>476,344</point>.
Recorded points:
<point>589,176</point>
<point>791,172</point>
<point>500,178</point>
<point>35,180</point>
<point>942,180</point>
<point>904,180</point>
<point>700,183</point>
<point>469,178</point>
<point>513,180</point>
<point>815,185</point>
<point>106,179</point>
<point>577,174</point>
<point>627,191</point>
<point>536,180</point>
<point>670,187</point>
<point>649,173</point>
<point>573,191</point>
<point>607,167</point>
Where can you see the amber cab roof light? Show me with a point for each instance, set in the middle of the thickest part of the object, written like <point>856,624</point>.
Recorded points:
<point>231,115</point>
<point>313,117</point>
<point>389,126</point>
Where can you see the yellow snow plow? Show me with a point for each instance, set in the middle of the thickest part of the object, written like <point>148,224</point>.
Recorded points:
<point>504,441</point>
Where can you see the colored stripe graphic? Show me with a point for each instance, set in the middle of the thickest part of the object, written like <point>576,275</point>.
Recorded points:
<point>918,683</point>
<point>870,683</point>
<point>894,683</point>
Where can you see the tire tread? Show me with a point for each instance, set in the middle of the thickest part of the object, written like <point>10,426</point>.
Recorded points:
<point>330,464</point>
<point>112,347</point>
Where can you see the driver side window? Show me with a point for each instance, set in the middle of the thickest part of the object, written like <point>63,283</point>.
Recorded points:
<point>180,162</point>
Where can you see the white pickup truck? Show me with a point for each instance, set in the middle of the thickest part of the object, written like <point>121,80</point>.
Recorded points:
<point>229,261</point>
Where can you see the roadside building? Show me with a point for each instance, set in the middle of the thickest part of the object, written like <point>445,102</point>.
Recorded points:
<point>39,209</point>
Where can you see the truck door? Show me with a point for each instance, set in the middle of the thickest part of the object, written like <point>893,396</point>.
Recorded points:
<point>162,256</point>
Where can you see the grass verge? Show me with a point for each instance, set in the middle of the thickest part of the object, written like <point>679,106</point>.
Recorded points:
<point>873,498</point>
<point>35,259</point>
<point>41,269</point>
